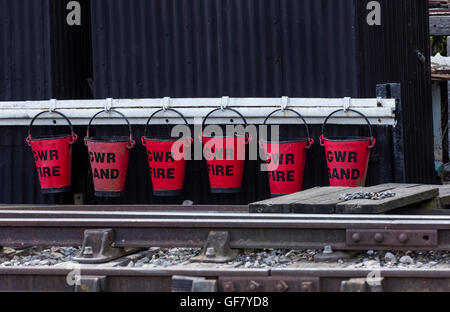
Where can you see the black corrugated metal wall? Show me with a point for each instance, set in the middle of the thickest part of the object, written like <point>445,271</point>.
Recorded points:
<point>41,57</point>
<point>388,53</point>
<point>25,50</point>
<point>210,48</point>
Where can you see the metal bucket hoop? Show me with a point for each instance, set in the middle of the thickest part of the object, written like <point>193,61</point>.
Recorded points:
<point>132,142</point>
<point>158,111</point>
<point>248,137</point>
<point>72,133</point>
<point>309,140</point>
<point>372,139</point>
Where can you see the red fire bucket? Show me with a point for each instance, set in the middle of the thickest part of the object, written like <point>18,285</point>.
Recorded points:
<point>166,169</point>
<point>286,161</point>
<point>109,160</point>
<point>225,158</point>
<point>53,158</point>
<point>347,157</point>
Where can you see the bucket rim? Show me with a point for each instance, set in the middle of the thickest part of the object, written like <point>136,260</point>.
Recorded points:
<point>51,137</point>
<point>294,140</point>
<point>224,136</point>
<point>346,138</point>
<point>108,139</point>
<point>164,139</point>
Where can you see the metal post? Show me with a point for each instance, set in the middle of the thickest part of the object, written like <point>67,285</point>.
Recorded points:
<point>398,134</point>
<point>385,155</point>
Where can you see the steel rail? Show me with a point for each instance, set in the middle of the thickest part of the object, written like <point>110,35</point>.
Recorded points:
<point>246,231</point>
<point>162,280</point>
<point>168,214</point>
<point>215,208</point>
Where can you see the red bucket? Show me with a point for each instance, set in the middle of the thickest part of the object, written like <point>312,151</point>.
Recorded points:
<point>53,158</point>
<point>166,169</point>
<point>109,160</point>
<point>286,161</point>
<point>347,157</point>
<point>225,159</point>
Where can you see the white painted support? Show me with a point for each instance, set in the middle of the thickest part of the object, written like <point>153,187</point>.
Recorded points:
<point>347,103</point>
<point>108,104</point>
<point>166,103</point>
<point>284,102</point>
<point>314,110</point>
<point>225,102</point>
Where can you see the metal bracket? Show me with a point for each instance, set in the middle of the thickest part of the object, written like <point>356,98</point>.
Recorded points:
<point>90,284</point>
<point>217,249</point>
<point>420,56</point>
<point>52,107</point>
<point>268,284</point>
<point>346,103</point>
<point>224,102</point>
<point>284,102</point>
<point>165,103</point>
<point>193,284</point>
<point>98,247</point>
<point>108,104</point>
<point>391,238</point>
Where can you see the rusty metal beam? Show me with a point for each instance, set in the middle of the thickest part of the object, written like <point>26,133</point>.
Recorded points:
<point>246,231</point>
<point>303,280</point>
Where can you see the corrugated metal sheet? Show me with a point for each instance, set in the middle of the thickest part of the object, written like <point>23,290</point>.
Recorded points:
<point>239,48</point>
<point>41,57</point>
<point>25,70</point>
<point>209,48</point>
<point>388,53</point>
<point>71,52</point>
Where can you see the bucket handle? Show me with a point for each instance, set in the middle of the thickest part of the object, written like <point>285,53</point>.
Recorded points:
<point>74,136</point>
<point>248,137</point>
<point>372,139</point>
<point>309,141</point>
<point>132,142</point>
<point>160,110</point>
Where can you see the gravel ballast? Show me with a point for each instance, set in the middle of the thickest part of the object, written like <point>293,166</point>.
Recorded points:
<point>268,258</point>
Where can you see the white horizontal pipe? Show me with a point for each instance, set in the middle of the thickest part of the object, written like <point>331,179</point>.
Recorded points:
<point>314,110</point>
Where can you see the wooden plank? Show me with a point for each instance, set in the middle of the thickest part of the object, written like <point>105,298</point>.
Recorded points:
<point>444,195</point>
<point>281,204</point>
<point>313,200</point>
<point>327,203</point>
<point>404,196</point>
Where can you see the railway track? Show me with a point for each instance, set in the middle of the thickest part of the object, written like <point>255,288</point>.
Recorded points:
<point>244,230</point>
<point>109,234</point>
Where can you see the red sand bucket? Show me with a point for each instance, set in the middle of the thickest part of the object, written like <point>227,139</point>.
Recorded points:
<point>53,158</point>
<point>347,157</point>
<point>109,160</point>
<point>166,169</point>
<point>225,158</point>
<point>286,161</point>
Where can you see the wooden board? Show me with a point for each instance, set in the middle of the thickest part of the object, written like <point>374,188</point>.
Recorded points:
<point>444,195</point>
<point>314,200</point>
<point>330,199</point>
<point>281,204</point>
<point>404,196</point>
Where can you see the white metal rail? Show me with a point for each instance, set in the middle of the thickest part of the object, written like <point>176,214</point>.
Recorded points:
<point>314,110</point>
